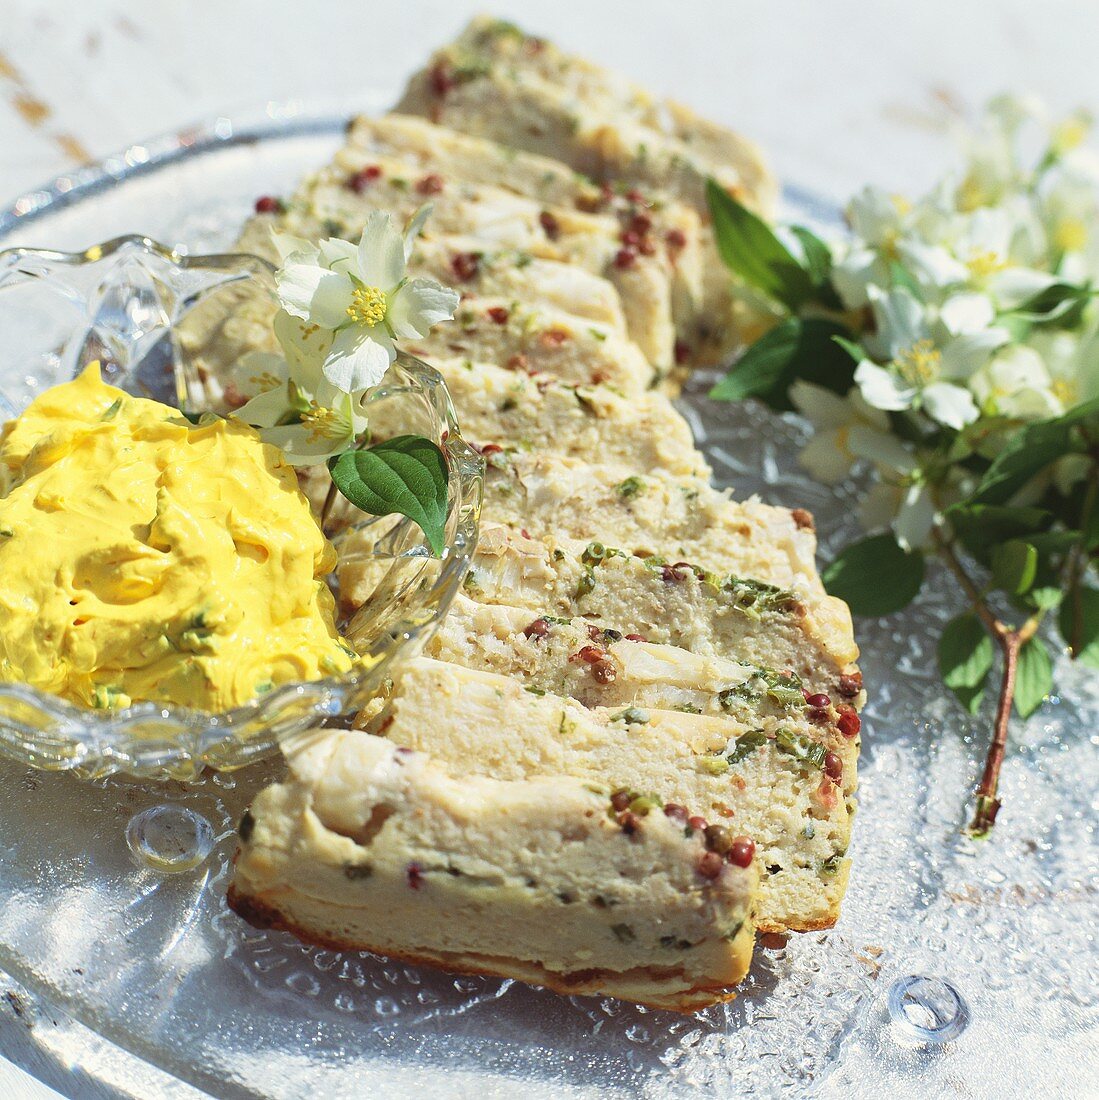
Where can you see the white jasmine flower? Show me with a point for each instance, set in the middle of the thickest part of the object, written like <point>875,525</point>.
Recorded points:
<point>1016,384</point>
<point>907,507</point>
<point>308,431</point>
<point>925,360</point>
<point>290,401</point>
<point>363,297</point>
<point>846,429</point>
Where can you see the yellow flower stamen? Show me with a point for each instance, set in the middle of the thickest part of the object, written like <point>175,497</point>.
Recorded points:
<point>1065,391</point>
<point>1070,133</point>
<point>983,264</point>
<point>971,195</point>
<point>323,423</point>
<point>368,306</point>
<point>901,204</point>
<point>919,364</point>
<point>265,380</point>
<point>1070,235</point>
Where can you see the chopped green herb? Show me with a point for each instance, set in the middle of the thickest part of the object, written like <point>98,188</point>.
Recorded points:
<point>831,865</point>
<point>632,716</point>
<point>800,748</point>
<point>586,583</point>
<point>534,690</point>
<point>713,765</point>
<point>630,487</point>
<point>746,744</point>
<point>598,334</point>
<point>593,553</point>
<point>112,411</point>
<point>755,599</point>
<point>675,942</point>
<point>643,804</point>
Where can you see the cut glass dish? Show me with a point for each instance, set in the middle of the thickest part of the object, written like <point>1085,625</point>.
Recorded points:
<point>122,303</point>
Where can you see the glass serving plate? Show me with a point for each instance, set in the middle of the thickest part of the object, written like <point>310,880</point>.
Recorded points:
<point>956,969</point>
<point>126,303</point>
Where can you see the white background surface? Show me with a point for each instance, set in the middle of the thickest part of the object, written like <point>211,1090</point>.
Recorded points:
<point>841,92</point>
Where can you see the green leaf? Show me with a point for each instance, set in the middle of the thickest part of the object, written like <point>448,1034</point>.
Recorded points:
<point>1014,566</point>
<point>875,576</point>
<point>749,248</point>
<point>1030,451</point>
<point>406,475</point>
<point>981,527</point>
<point>1033,677</point>
<point>1079,623</point>
<point>903,279</point>
<point>1060,304</point>
<point>966,654</point>
<point>793,349</point>
<point>818,256</point>
<point>1044,597</point>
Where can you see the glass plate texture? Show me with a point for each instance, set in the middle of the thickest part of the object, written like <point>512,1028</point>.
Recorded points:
<point>956,969</point>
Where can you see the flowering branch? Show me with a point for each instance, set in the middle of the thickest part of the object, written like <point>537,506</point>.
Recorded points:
<point>951,346</point>
<point>343,309</point>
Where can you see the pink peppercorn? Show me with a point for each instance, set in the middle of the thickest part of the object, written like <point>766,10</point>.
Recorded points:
<point>430,185</point>
<point>636,638</point>
<point>819,701</point>
<point>676,812</point>
<point>833,767</point>
<point>604,672</point>
<point>550,225</point>
<point>415,875</point>
<point>537,629</point>
<point>360,180</point>
<point>268,204</point>
<point>625,258</point>
<point>849,723</point>
<point>742,852</point>
<point>465,265</point>
<point>697,822</point>
<point>498,314</point>
<point>709,865</point>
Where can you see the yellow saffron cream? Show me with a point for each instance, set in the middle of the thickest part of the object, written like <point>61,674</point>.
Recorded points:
<point>146,558</point>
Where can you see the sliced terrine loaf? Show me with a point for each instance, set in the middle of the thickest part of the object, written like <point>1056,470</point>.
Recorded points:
<point>647,513</point>
<point>367,846</point>
<point>603,667</point>
<point>790,629</point>
<point>778,797</point>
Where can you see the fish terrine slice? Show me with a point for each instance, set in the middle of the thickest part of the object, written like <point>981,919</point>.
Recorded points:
<point>478,723</point>
<point>650,513</point>
<point>789,629</point>
<point>602,667</point>
<point>367,846</point>
<point>536,413</point>
<point>497,82</point>
<point>539,339</point>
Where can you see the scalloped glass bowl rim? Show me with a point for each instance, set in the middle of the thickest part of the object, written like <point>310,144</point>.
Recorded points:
<point>97,743</point>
